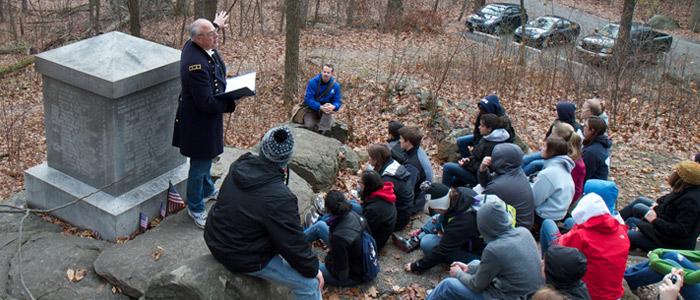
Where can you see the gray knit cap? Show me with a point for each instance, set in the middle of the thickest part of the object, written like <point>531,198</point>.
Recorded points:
<point>277,145</point>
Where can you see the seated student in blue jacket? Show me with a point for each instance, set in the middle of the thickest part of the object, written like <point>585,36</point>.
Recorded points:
<point>323,99</point>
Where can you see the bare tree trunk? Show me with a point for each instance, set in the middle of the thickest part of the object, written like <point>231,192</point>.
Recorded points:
<point>23,12</point>
<point>303,12</point>
<point>240,21</point>
<point>11,19</point>
<point>181,7</point>
<point>134,18</point>
<point>461,10</point>
<point>258,4</point>
<point>205,9</point>
<point>350,13</point>
<point>282,15</point>
<point>478,4</point>
<point>621,51</point>
<point>394,15</point>
<point>291,52</point>
<point>435,6</point>
<point>2,10</point>
<point>521,52</point>
<point>695,17</point>
<point>318,3</point>
<point>94,15</point>
<point>185,11</point>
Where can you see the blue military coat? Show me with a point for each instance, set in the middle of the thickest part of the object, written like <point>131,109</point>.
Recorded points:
<point>199,121</point>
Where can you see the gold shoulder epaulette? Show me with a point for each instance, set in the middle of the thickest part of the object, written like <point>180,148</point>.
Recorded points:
<point>195,67</point>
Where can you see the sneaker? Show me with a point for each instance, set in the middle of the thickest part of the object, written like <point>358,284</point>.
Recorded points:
<point>310,217</point>
<point>319,205</point>
<point>200,218</point>
<point>406,245</point>
<point>214,195</point>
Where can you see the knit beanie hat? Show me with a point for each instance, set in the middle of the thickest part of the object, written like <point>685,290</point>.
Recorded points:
<point>277,145</point>
<point>438,196</point>
<point>394,127</point>
<point>689,171</point>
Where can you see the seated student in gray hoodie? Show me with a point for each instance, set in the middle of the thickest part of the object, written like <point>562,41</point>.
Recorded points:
<point>510,264</point>
<point>553,188</point>
<point>501,175</point>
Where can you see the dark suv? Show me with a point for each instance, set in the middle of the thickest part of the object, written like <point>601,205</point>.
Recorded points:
<point>496,18</point>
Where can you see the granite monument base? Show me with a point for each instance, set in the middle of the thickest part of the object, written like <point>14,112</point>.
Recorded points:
<point>112,217</point>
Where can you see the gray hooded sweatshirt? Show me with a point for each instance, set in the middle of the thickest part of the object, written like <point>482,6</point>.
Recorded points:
<point>510,264</point>
<point>554,188</point>
<point>508,182</point>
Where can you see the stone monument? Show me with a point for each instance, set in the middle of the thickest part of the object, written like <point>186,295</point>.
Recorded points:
<point>109,108</point>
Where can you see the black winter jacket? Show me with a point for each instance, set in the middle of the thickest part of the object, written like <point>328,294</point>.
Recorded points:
<point>345,257</point>
<point>396,173</point>
<point>460,233</point>
<point>378,208</point>
<point>412,159</point>
<point>677,224</point>
<point>255,218</point>
<point>595,155</point>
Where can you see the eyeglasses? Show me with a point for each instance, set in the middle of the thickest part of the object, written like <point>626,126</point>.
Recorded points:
<point>210,33</point>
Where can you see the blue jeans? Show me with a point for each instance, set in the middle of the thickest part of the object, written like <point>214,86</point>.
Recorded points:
<point>280,272</point>
<point>641,274</point>
<point>463,143</point>
<point>452,288</point>
<point>549,232</point>
<point>330,280</point>
<point>318,230</point>
<point>532,163</point>
<point>453,174</point>
<point>637,209</point>
<point>199,184</point>
<point>641,241</point>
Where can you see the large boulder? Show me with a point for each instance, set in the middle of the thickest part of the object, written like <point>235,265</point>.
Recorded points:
<point>48,258</point>
<point>132,266</point>
<point>340,132</point>
<point>315,157</point>
<point>663,22</point>
<point>350,159</point>
<point>297,185</point>
<point>447,147</point>
<point>203,278</point>
<point>9,234</point>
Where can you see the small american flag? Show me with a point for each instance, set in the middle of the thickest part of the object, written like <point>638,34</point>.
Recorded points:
<point>175,202</point>
<point>143,222</point>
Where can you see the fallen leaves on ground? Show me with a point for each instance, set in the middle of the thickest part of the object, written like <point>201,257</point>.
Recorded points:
<point>76,275</point>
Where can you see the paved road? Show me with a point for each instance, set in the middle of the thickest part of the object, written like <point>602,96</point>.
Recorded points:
<point>684,55</point>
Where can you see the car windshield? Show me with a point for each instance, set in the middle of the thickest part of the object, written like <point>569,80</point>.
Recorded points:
<point>610,31</point>
<point>493,10</point>
<point>542,23</point>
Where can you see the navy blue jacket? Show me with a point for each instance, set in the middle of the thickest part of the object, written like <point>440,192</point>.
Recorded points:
<point>199,130</point>
<point>595,155</point>
<point>316,87</point>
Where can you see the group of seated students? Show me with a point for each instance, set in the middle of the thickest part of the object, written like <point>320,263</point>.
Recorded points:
<point>495,202</point>
<point>486,216</point>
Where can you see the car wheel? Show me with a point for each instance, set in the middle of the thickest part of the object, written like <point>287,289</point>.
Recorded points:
<point>470,27</point>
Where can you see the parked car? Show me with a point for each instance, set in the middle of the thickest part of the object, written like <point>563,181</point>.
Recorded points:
<point>548,30</point>
<point>495,18</point>
<point>646,43</point>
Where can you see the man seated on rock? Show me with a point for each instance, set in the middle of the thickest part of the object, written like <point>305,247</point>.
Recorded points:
<point>322,99</point>
<point>409,139</point>
<point>254,226</point>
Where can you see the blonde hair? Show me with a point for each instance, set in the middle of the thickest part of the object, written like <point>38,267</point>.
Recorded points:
<point>566,131</point>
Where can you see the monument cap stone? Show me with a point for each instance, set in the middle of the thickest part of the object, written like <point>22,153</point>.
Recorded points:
<point>112,65</point>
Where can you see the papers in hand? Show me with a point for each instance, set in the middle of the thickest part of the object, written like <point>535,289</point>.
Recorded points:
<point>241,86</point>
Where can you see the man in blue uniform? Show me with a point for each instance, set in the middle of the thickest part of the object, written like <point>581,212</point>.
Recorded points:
<point>323,99</point>
<point>199,121</point>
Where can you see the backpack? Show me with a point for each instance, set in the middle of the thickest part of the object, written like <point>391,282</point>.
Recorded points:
<point>370,257</point>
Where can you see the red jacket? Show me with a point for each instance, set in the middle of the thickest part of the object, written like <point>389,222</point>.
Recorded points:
<point>605,243</point>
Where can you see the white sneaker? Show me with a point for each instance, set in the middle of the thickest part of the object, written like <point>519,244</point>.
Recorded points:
<point>200,219</point>
<point>214,195</point>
